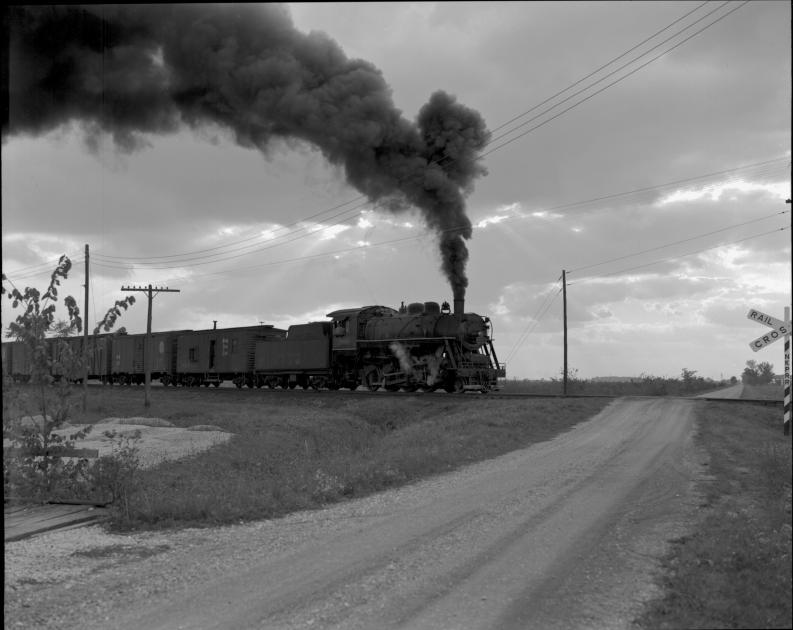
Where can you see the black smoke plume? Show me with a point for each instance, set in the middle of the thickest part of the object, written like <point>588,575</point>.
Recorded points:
<point>130,70</point>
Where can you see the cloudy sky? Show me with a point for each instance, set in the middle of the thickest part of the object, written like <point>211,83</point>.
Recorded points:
<point>643,147</point>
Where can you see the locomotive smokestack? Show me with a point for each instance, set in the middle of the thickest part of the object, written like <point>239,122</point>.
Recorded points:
<point>459,308</point>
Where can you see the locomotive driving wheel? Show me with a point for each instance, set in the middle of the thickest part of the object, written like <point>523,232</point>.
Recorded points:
<point>457,386</point>
<point>373,379</point>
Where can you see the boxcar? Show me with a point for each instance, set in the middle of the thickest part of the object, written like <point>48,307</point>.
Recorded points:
<point>209,357</point>
<point>65,353</point>
<point>128,359</point>
<point>16,361</point>
<point>302,358</point>
<point>100,355</point>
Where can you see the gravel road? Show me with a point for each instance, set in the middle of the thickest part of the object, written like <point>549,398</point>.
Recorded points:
<point>564,534</point>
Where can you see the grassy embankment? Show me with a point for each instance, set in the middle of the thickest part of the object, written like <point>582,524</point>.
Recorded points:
<point>299,450</point>
<point>763,392</point>
<point>735,571</point>
<point>641,386</point>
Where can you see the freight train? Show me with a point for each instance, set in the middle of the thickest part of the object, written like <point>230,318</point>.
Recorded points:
<point>419,346</point>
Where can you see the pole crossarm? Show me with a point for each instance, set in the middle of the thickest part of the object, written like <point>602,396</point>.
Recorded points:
<point>150,288</point>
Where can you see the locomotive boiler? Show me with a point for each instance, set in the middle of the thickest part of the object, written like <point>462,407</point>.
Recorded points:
<point>420,346</point>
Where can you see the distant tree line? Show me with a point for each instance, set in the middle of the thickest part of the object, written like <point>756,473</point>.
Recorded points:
<point>757,373</point>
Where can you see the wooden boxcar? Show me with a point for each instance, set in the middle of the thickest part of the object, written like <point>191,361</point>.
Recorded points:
<point>128,359</point>
<point>16,361</point>
<point>209,357</point>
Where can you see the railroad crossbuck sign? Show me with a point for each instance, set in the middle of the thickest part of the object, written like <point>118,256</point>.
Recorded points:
<point>779,328</point>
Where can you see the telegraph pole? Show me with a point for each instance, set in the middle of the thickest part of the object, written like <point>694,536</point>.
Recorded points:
<point>147,346</point>
<point>564,319</point>
<point>85,336</point>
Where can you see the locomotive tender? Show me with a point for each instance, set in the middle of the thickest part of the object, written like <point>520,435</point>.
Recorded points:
<point>419,346</point>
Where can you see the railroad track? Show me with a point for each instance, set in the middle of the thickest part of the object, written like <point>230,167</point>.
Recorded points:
<point>247,392</point>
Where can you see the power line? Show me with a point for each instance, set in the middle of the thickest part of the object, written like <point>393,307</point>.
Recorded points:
<point>605,65</point>
<point>685,240</point>
<point>177,265</point>
<point>245,240</point>
<point>768,167</point>
<point>544,308</point>
<point>603,89</point>
<point>699,251</point>
<point>545,305</point>
<point>46,268</point>
<point>109,264</point>
<point>376,204</point>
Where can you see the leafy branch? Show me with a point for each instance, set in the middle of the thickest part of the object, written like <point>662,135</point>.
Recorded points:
<point>113,313</point>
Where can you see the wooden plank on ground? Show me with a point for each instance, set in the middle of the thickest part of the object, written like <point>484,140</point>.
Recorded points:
<point>86,453</point>
<point>23,522</point>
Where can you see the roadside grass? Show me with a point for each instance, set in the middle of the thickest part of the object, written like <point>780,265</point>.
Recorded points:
<point>644,385</point>
<point>301,450</point>
<point>735,571</point>
<point>767,391</point>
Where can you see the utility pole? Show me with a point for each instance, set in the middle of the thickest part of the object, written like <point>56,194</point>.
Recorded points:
<point>564,319</point>
<point>147,346</point>
<point>786,400</point>
<point>85,336</point>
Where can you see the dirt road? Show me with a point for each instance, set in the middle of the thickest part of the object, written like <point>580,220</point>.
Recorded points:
<point>564,534</point>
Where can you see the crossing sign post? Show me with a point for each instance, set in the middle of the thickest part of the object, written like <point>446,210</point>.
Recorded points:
<point>779,328</point>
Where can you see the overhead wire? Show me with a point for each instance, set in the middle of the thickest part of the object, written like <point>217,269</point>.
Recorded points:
<point>678,242</point>
<point>331,253</point>
<point>111,264</point>
<point>539,315</point>
<point>544,307</point>
<point>245,240</point>
<point>345,214</point>
<point>45,268</point>
<point>605,65</point>
<point>603,89</point>
<point>676,257</point>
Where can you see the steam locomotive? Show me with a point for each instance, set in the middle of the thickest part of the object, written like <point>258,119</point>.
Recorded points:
<point>419,346</point>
